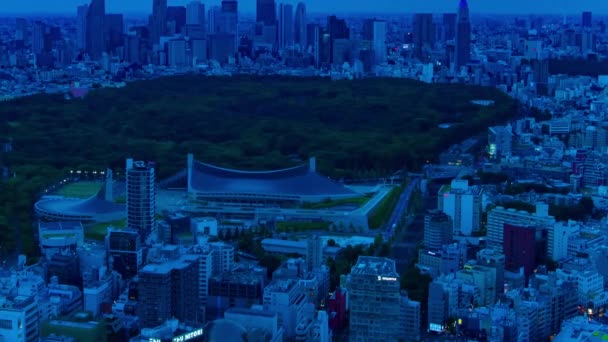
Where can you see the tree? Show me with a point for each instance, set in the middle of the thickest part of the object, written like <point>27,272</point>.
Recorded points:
<point>221,235</point>
<point>271,262</point>
<point>237,232</point>
<point>228,235</point>
<point>331,242</point>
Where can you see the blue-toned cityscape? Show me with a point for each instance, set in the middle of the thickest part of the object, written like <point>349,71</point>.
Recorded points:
<point>302,173</point>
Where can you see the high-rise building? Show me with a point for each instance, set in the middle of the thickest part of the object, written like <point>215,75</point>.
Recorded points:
<point>286,25</point>
<point>158,20</point>
<point>230,20</point>
<point>587,19</point>
<point>336,29</point>
<point>314,252</point>
<point>21,29</point>
<point>449,26</point>
<point>38,34</point>
<point>424,33</point>
<point>462,55</point>
<point>195,14</point>
<point>176,53</point>
<point>95,34</point>
<point>214,19</point>
<point>287,299</point>
<point>266,12</point>
<point>223,257</point>
<point>300,26</point>
<point>524,246</point>
<point>176,19</point>
<point>169,289</point>
<point>81,26</point>
<point>499,216</point>
<point>462,204</point>
<point>372,281</point>
<point>124,252</point>
<point>438,230</point>
<point>375,31</point>
<point>114,29</point>
<point>141,196</point>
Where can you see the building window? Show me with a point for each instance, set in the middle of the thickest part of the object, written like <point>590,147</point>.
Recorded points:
<point>6,324</point>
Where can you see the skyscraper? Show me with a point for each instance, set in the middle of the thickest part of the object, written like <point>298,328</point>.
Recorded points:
<point>423,33</point>
<point>375,31</point>
<point>463,36</point>
<point>95,36</point>
<point>375,301</point>
<point>587,22</point>
<point>314,252</point>
<point>81,26</point>
<point>114,27</point>
<point>176,19</point>
<point>141,197</point>
<point>285,25</point>
<point>195,14</point>
<point>158,20</point>
<point>266,12</point>
<point>438,230</point>
<point>337,30</point>
<point>300,26</point>
<point>230,20</point>
<point>214,19</point>
<point>449,26</point>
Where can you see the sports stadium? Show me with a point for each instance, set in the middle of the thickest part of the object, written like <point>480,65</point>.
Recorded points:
<point>297,184</point>
<point>99,207</point>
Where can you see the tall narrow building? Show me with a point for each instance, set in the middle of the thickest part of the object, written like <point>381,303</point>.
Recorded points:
<point>266,12</point>
<point>81,26</point>
<point>195,14</point>
<point>587,19</point>
<point>141,197</point>
<point>463,36</point>
<point>375,31</point>
<point>300,26</point>
<point>424,33</point>
<point>314,253</point>
<point>95,39</point>
<point>158,20</point>
<point>285,25</point>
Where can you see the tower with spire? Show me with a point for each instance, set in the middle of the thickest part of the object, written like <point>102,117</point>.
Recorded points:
<point>463,36</point>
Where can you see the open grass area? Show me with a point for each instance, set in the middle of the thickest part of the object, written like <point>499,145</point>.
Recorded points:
<point>293,226</point>
<point>383,211</point>
<point>80,189</point>
<point>331,203</point>
<point>98,231</point>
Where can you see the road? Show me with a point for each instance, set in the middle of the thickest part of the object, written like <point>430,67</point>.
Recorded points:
<point>400,209</point>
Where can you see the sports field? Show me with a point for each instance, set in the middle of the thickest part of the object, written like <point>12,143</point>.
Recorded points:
<point>79,189</point>
<point>98,231</point>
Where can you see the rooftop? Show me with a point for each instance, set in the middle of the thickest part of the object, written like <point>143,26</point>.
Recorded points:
<point>375,266</point>
<point>301,180</point>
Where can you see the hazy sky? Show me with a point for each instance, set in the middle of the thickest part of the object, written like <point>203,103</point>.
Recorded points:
<point>396,6</point>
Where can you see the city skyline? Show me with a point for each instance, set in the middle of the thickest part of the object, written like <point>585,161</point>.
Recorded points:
<point>336,6</point>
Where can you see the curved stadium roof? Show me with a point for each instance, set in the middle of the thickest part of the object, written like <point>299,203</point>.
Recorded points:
<point>94,208</point>
<point>296,181</point>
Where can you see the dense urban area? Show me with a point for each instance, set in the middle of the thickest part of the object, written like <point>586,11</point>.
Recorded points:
<point>203,174</point>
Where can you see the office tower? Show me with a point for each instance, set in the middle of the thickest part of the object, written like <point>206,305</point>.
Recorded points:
<point>287,299</point>
<point>81,26</point>
<point>285,25</point>
<point>199,50</point>
<point>95,37</point>
<point>114,28</point>
<point>314,252</point>
<point>205,271</point>
<point>176,19</point>
<point>66,267</point>
<point>372,281</point>
<point>300,26</point>
<point>424,34</point>
<point>499,216</point>
<point>462,55</point>
<point>438,230</point>
<point>21,30</point>
<point>124,252</point>
<point>375,31</point>
<point>195,14</point>
<point>229,18</point>
<point>449,26</point>
<point>337,29</point>
<point>587,19</point>
<point>240,288</point>
<point>221,47</point>
<point>223,257</point>
<point>169,289</point>
<point>20,318</point>
<point>314,36</point>
<point>540,75</point>
<point>141,197</point>
<point>462,204</point>
<point>266,12</point>
<point>524,246</point>
<point>158,20</point>
<point>38,35</point>
<point>490,258</point>
<point>177,53</point>
<point>214,19</point>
